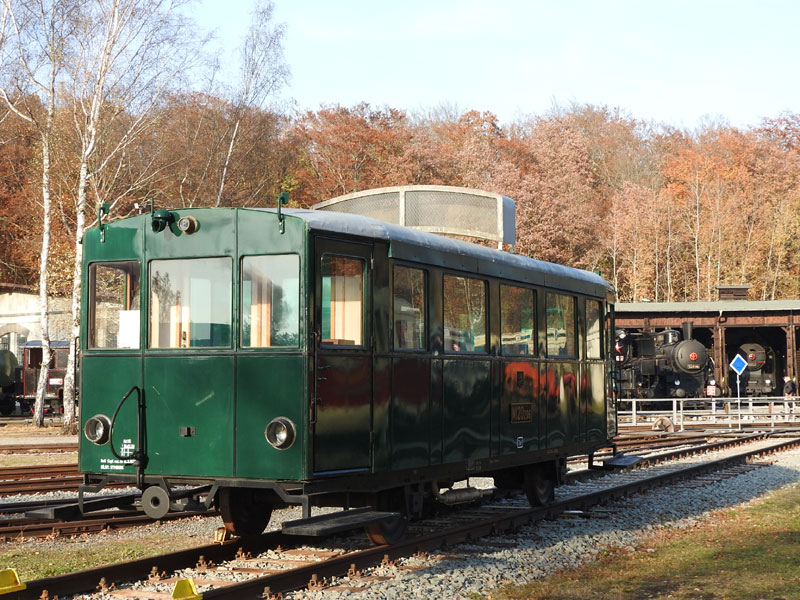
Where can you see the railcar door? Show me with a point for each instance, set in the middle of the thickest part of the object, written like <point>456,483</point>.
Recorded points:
<point>189,366</point>
<point>111,365</point>
<point>342,386</point>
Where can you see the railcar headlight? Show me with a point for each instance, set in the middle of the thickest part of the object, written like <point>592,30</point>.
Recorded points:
<point>768,381</point>
<point>187,225</point>
<point>280,433</point>
<point>97,429</point>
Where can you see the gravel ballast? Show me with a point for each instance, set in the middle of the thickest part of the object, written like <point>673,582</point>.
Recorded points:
<point>550,546</point>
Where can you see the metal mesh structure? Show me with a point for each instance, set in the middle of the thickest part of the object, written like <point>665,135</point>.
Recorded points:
<point>455,211</point>
<point>438,209</point>
<point>384,207</point>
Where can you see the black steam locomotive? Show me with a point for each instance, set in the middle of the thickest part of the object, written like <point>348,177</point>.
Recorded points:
<point>666,364</point>
<point>760,378</point>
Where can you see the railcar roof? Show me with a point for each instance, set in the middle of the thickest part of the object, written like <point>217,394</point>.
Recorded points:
<point>38,344</point>
<point>420,246</point>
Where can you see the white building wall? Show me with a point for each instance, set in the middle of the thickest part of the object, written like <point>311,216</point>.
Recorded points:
<point>19,320</point>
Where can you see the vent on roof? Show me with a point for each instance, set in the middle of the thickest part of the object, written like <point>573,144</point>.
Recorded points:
<point>732,292</point>
<point>435,208</point>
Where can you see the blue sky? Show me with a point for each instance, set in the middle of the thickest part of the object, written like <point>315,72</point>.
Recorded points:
<point>677,62</point>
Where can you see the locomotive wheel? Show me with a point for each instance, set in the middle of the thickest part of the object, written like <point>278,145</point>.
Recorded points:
<point>538,486</point>
<point>389,531</point>
<point>245,511</point>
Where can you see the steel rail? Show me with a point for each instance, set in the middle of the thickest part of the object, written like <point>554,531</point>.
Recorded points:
<point>53,484</point>
<point>14,529</point>
<point>37,471</point>
<point>38,449</point>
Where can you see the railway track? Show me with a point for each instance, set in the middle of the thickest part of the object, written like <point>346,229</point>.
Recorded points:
<point>41,478</point>
<point>39,448</point>
<point>274,563</point>
<point>22,528</point>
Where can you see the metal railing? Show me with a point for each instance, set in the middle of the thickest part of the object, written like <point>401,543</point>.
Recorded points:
<point>769,411</point>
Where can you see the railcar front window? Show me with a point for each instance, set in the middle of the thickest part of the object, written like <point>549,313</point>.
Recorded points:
<point>271,301</point>
<point>464,314</point>
<point>594,319</point>
<point>190,303</point>
<point>342,300</point>
<point>516,316</point>
<point>114,305</point>
<point>409,308</point>
<point>561,338</point>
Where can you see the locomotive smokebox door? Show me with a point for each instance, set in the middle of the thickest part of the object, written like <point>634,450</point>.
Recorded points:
<point>343,356</point>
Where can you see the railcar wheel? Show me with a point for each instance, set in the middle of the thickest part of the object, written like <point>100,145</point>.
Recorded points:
<point>245,511</point>
<point>389,531</point>
<point>539,486</point>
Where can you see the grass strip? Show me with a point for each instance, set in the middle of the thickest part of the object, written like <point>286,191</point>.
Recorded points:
<point>35,561</point>
<point>748,553</point>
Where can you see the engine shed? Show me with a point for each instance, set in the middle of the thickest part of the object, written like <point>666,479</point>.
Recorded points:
<point>724,327</point>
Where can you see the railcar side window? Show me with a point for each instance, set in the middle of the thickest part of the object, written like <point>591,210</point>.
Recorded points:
<point>271,301</point>
<point>409,308</point>
<point>342,300</point>
<point>561,338</point>
<point>464,314</point>
<point>114,305</point>
<point>517,320</point>
<point>190,303</point>
<point>594,320</point>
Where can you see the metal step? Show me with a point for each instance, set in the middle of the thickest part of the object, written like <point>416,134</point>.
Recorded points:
<point>72,510</point>
<point>336,522</point>
<point>622,461</point>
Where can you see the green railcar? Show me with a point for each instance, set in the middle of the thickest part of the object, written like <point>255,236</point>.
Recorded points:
<point>317,358</point>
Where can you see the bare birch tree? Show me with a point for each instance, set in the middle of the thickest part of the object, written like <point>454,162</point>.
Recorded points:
<point>262,73</point>
<point>129,53</point>
<point>36,36</point>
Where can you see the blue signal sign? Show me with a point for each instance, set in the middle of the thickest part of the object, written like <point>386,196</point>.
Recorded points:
<point>738,364</point>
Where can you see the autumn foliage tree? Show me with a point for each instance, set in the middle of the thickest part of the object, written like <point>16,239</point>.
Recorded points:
<point>665,214</point>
